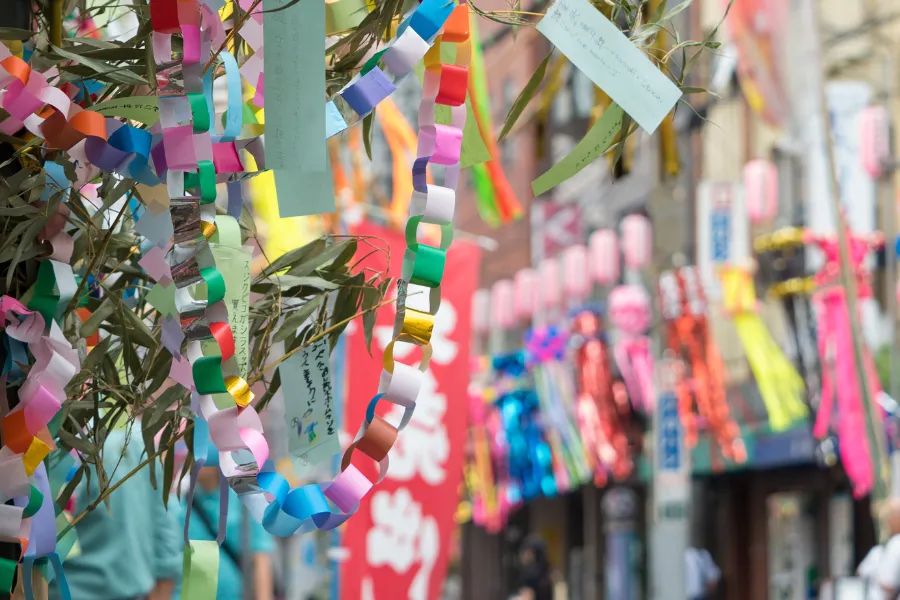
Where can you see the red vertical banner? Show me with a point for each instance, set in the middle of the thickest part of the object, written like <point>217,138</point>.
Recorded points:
<point>398,545</point>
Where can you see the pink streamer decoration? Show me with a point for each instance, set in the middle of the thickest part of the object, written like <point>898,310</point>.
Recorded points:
<point>839,378</point>
<point>629,311</point>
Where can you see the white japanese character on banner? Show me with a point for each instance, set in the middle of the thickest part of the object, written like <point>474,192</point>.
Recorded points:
<point>423,447</point>
<point>392,540</point>
<point>401,536</point>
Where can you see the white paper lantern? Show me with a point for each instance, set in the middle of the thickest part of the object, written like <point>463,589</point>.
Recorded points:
<point>604,257</point>
<point>761,190</point>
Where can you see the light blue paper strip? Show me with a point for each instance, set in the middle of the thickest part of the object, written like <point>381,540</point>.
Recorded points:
<point>610,60</point>
<point>56,180</point>
<point>295,81</point>
<point>334,121</point>
<point>234,117</point>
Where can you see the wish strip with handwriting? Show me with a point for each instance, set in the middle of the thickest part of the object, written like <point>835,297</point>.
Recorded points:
<point>603,53</point>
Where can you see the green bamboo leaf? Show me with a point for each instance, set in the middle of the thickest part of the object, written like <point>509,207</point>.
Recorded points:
<point>296,319</point>
<point>98,316</point>
<point>92,360</point>
<point>29,240</point>
<point>293,257</point>
<point>525,97</point>
<point>168,475</point>
<point>368,130</point>
<point>319,260</point>
<point>116,73</point>
<point>63,499</point>
<point>11,34</point>
<point>677,9</point>
<point>273,387</point>
<point>345,256</point>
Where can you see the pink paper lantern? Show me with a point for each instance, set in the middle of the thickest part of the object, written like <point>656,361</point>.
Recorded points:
<point>761,190</point>
<point>604,256</point>
<point>502,295</point>
<point>874,140</point>
<point>576,279</point>
<point>549,290</point>
<point>481,311</point>
<point>637,241</point>
<point>525,290</point>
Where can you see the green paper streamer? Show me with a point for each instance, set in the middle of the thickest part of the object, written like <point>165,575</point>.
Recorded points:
<point>7,574</point>
<point>162,298</point>
<point>48,299</point>
<point>485,201</point>
<point>142,108</point>
<point>199,112</point>
<point>35,500</point>
<point>201,570</point>
<point>595,143</point>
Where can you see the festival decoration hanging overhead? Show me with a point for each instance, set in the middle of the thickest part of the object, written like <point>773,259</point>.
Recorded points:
<point>702,383</point>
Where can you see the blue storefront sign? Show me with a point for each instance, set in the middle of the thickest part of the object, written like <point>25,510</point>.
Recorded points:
<point>720,229</point>
<point>794,447</point>
<point>670,457</point>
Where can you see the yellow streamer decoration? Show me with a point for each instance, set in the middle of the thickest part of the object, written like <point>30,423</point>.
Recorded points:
<point>781,387</point>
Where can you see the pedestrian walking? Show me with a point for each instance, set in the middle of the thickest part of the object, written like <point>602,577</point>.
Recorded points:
<point>701,577</point>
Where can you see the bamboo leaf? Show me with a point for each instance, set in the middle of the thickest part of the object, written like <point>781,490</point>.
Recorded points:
<point>297,319</point>
<point>115,73</point>
<point>11,33</point>
<point>168,476</point>
<point>293,257</point>
<point>368,122</point>
<point>525,97</point>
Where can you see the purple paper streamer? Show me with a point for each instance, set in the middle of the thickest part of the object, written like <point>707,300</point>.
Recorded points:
<point>172,336</point>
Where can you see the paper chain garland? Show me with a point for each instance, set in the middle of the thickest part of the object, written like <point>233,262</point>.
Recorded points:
<point>185,120</point>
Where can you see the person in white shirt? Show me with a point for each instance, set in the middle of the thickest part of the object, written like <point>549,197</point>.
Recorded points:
<point>868,572</point>
<point>701,576</point>
<point>888,573</point>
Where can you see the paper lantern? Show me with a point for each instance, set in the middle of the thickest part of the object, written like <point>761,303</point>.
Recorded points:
<point>481,311</point>
<point>549,290</point>
<point>637,241</point>
<point>874,140</point>
<point>604,256</point>
<point>525,290</point>
<point>576,279</point>
<point>502,295</point>
<point>761,190</point>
